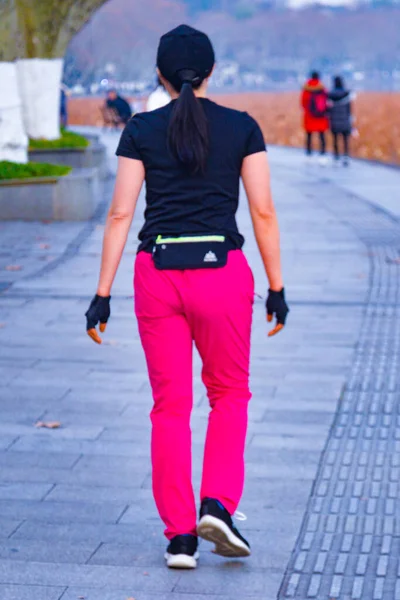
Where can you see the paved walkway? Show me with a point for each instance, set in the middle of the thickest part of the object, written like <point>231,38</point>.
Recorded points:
<point>77,518</point>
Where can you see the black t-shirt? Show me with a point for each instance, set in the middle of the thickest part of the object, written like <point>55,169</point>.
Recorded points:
<point>178,202</point>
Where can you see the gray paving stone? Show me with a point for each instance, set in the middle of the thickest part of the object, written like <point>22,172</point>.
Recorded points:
<point>42,551</point>
<point>61,512</point>
<point>30,592</point>
<point>130,434</point>
<point>8,526</point>
<point>86,414</point>
<point>271,471</point>
<point>71,432</point>
<point>73,593</point>
<point>37,459</point>
<point>82,493</point>
<point>226,580</point>
<point>73,446</point>
<point>112,464</point>
<point>23,391</point>
<point>314,403</point>
<point>103,400</point>
<point>26,415</point>
<point>75,530</point>
<point>6,441</point>
<point>118,594</point>
<point>8,374</point>
<point>50,574</point>
<point>76,477</point>
<point>267,554</point>
<point>298,419</point>
<point>294,443</point>
<point>24,491</point>
<point>281,456</point>
<point>351,450</point>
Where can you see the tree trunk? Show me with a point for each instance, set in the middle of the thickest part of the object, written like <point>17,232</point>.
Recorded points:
<point>8,31</point>
<point>13,139</point>
<point>39,83</point>
<point>37,31</point>
<point>46,28</point>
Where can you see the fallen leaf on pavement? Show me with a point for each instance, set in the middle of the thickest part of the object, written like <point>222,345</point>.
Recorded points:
<point>48,424</point>
<point>146,573</point>
<point>44,246</point>
<point>13,268</point>
<point>2,325</point>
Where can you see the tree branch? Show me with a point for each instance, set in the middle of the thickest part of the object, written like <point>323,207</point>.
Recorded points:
<point>78,16</point>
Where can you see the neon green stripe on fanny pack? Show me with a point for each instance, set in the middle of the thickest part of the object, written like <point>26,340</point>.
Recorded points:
<point>182,240</point>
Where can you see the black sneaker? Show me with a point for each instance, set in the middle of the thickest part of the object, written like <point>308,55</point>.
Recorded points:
<point>216,526</point>
<point>182,552</point>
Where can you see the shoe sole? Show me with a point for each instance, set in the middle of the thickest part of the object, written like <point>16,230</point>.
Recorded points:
<point>226,542</point>
<point>181,561</point>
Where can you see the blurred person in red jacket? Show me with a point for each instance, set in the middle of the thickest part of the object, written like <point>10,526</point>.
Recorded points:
<point>314,101</point>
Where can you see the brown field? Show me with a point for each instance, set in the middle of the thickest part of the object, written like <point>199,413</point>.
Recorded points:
<point>377,120</point>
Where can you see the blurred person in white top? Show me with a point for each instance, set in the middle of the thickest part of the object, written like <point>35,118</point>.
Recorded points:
<point>158,98</point>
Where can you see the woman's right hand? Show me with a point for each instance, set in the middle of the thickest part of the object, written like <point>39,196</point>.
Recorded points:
<point>256,179</point>
<point>98,312</point>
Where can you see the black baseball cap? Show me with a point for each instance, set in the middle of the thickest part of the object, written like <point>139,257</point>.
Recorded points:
<point>185,54</point>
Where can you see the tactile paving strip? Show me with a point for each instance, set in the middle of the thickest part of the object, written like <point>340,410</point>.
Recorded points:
<point>349,544</point>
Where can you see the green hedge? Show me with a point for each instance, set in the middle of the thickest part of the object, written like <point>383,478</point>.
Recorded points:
<point>10,170</point>
<point>68,139</point>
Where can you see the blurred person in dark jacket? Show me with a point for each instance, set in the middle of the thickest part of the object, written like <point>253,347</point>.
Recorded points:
<point>119,105</point>
<point>340,118</point>
<point>64,95</point>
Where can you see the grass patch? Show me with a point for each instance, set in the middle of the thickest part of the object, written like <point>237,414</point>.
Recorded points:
<point>68,139</point>
<point>10,170</point>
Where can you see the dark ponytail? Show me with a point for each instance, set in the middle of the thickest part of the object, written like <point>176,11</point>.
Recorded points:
<point>188,127</point>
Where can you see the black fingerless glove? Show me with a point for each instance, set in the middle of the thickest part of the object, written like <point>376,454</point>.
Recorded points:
<point>276,305</point>
<point>98,312</point>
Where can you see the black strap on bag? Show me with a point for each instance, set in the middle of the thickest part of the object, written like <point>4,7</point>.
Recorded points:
<point>191,252</point>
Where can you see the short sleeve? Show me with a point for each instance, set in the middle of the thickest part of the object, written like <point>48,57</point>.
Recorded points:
<point>255,139</point>
<point>129,143</point>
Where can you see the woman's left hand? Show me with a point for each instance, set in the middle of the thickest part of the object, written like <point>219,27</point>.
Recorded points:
<point>98,312</point>
<point>276,305</point>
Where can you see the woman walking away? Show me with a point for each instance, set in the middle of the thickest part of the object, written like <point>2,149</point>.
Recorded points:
<point>192,283</point>
<point>314,101</point>
<point>340,118</point>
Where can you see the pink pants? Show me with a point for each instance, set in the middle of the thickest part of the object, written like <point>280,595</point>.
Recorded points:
<point>213,308</point>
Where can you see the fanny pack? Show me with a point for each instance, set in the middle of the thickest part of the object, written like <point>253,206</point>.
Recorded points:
<point>191,252</point>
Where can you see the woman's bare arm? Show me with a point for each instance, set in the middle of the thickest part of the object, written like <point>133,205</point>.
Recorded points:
<point>129,181</point>
<point>257,182</point>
